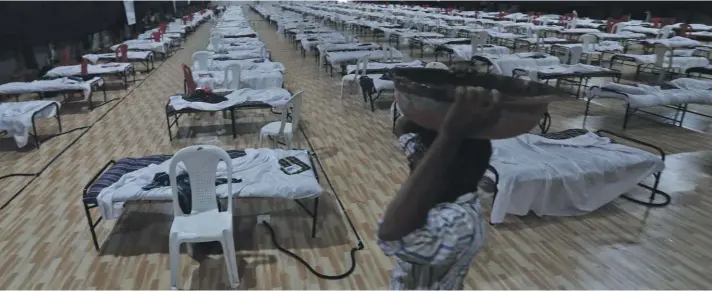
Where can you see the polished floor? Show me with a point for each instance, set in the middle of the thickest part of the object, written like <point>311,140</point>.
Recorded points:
<point>45,243</point>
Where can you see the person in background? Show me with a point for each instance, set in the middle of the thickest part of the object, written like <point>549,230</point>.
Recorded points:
<point>434,226</point>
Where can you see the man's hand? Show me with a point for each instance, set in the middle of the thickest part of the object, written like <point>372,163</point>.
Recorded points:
<point>472,110</point>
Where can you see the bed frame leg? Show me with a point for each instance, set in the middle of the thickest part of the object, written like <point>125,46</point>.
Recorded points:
<point>91,225</point>
<point>628,113</point>
<point>315,216</point>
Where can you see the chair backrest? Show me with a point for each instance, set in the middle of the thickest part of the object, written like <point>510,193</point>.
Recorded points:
<point>163,27</point>
<point>122,53</point>
<point>361,67</point>
<point>200,59</point>
<point>300,28</point>
<point>617,26</point>
<point>660,51</point>
<point>235,71</point>
<point>216,43</point>
<point>574,55</point>
<point>529,31</point>
<point>65,58</point>
<point>665,32</point>
<point>436,65</point>
<point>157,36</point>
<point>217,34</point>
<point>589,41</point>
<point>201,163</point>
<point>188,78</point>
<point>478,41</point>
<point>295,103</point>
<point>572,23</point>
<point>85,67</point>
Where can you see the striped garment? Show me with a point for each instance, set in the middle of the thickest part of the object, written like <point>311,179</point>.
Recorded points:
<point>438,255</point>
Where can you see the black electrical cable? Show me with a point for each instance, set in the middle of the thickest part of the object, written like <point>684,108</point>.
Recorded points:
<point>45,167</point>
<point>35,175</point>
<point>359,245</point>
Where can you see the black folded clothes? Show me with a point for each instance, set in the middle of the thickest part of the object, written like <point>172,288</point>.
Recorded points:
<point>184,196</point>
<point>202,96</point>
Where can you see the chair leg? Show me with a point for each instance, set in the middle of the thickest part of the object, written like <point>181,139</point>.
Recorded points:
<point>341,95</point>
<point>230,259</point>
<point>288,141</point>
<point>259,142</point>
<point>174,258</point>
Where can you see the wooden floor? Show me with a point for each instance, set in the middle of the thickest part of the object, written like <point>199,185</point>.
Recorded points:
<point>45,243</point>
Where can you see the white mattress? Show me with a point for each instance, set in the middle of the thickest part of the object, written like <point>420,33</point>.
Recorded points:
<point>258,53</point>
<point>132,55</point>
<point>276,97</point>
<point>323,48</point>
<point>336,58</point>
<point>16,117</point>
<point>564,177</point>
<point>60,84</point>
<point>603,46</point>
<point>682,63</point>
<point>674,42</point>
<point>144,45</point>
<point>463,52</point>
<point>546,40</point>
<point>236,46</point>
<point>255,79</point>
<point>108,68</point>
<point>643,96</point>
<point>259,170</point>
<point>621,35</point>
<point>505,64</point>
<point>351,69</point>
<point>567,69</point>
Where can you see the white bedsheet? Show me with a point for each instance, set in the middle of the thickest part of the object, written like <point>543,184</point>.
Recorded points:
<point>145,45</point>
<point>16,117</point>
<point>351,69</point>
<point>132,55</point>
<point>603,46</point>
<point>505,64</point>
<point>463,52</point>
<point>336,58</point>
<point>564,177</point>
<point>68,71</point>
<point>567,69</point>
<point>255,79</point>
<point>674,42</point>
<point>60,84</point>
<point>259,170</point>
<point>257,53</point>
<point>677,62</point>
<point>643,96</point>
<point>276,97</point>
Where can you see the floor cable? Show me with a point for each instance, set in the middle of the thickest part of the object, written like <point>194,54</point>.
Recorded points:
<point>359,245</point>
<point>36,175</point>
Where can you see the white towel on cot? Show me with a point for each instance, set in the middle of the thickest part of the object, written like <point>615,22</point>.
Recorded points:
<point>16,118</point>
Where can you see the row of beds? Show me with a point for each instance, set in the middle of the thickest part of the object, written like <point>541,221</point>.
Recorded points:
<point>578,170</point>
<point>18,119</point>
<point>233,50</point>
<point>552,59</point>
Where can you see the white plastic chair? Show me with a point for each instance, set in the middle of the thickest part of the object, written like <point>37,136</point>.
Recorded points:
<point>205,223</point>
<point>283,128</point>
<point>478,41</point>
<point>574,55</point>
<point>664,32</point>
<point>200,60</point>
<point>216,43</point>
<point>235,71</point>
<point>436,65</point>
<point>589,46</point>
<point>361,69</point>
<point>660,51</point>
